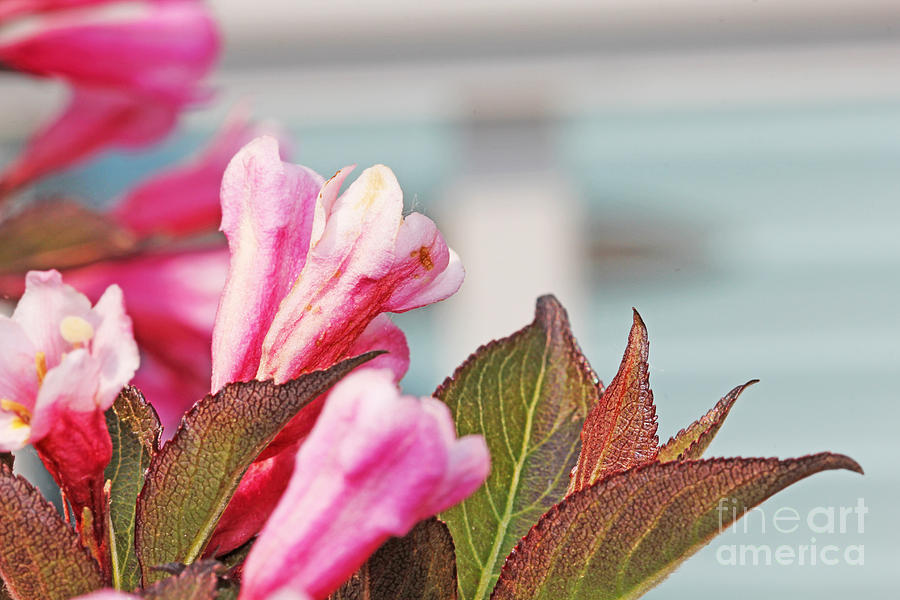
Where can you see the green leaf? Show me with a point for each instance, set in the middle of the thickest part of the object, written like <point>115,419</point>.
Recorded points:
<point>196,582</point>
<point>60,234</point>
<point>192,478</point>
<point>134,429</point>
<point>418,566</point>
<point>692,441</point>
<point>41,557</point>
<point>622,536</point>
<point>528,395</point>
<point>620,431</point>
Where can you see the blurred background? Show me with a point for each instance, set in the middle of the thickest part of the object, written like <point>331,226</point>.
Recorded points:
<point>729,169</point>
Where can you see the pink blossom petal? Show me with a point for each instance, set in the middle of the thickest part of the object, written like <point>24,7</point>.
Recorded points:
<point>93,120</point>
<point>162,53</point>
<point>375,464</point>
<point>69,429</point>
<point>16,8</point>
<point>69,386</point>
<point>18,374</point>
<point>114,347</point>
<point>45,303</point>
<point>426,270</point>
<point>382,334</point>
<point>134,99</point>
<point>108,595</point>
<point>268,208</point>
<point>185,199</point>
<point>338,293</point>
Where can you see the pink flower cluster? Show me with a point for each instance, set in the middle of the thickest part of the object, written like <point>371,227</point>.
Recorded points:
<point>313,273</point>
<point>130,77</point>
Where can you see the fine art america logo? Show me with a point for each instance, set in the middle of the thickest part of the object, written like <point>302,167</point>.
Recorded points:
<point>824,521</point>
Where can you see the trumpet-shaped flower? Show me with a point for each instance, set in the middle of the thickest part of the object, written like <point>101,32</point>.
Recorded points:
<point>311,269</point>
<point>130,100</point>
<point>312,274</point>
<point>62,363</point>
<point>375,464</point>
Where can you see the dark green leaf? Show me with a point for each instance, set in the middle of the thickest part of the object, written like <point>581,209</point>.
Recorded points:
<point>41,557</point>
<point>192,478</point>
<point>528,395</point>
<point>196,582</point>
<point>134,429</point>
<point>692,441</point>
<point>622,536</point>
<point>620,431</point>
<point>418,566</point>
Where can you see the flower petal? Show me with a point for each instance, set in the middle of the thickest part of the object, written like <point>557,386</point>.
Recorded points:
<point>18,375</point>
<point>43,306</point>
<point>93,120</point>
<point>162,53</point>
<point>268,208</point>
<point>372,467</point>
<point>114,347</point>
<point>338,292</point>
<point>15,8</point>
<point>425,269</point>
<point>185,199</point>
<point>383,334</point>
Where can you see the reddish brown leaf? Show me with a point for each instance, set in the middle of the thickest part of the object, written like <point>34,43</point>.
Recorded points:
<point>692,441</point>
<point>620,431</point>
<point>60,234</point>
<point>418,566</point>
<point>40,556</point>
<point>625,534</point>
<point>196,582</point>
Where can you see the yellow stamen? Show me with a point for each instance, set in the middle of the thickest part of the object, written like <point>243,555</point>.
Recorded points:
<point>76,331</point>
<point>23,415</point>
<point>40,363</point>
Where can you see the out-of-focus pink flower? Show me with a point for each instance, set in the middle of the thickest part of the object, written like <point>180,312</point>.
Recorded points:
<point>130,78</point>
<point>312,274</point>
<point>185,200</point>
<point>310,270</point>
<point>108,595</point>
<point>16,8</point>
<point>62,363</point>
<point>375,464</point>
<point>171,298</point>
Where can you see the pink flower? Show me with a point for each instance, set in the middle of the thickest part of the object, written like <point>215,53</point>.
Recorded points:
<point>374,465</point>
<point>172,298</point>
<point>310,270</point>
<point>130,80</point>
<point>108,595</point>
<point>62,363</point>
<point>15,8</point>
<point>184,200</point>
<point>312,274</point>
